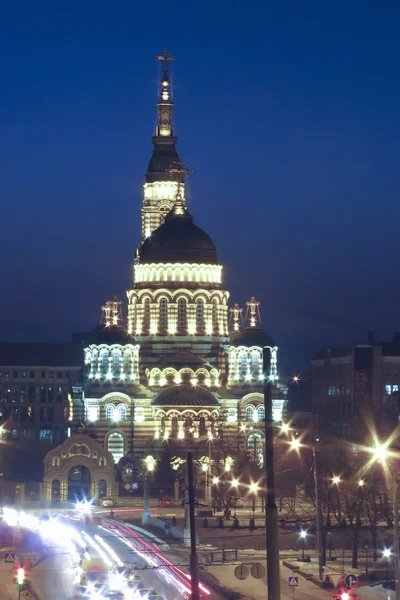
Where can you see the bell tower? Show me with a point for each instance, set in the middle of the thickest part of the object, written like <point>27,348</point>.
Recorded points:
<point>164,174</point>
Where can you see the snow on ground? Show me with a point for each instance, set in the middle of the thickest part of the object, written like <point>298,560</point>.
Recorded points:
<point>375,593</point>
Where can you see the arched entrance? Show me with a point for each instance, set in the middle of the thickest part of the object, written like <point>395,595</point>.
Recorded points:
<point>55,490</point>
<point>78,483</point>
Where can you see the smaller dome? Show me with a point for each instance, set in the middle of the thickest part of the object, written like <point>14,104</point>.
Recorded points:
<point>252,336</point>
<point>115,334</point>
<point>185,395</point>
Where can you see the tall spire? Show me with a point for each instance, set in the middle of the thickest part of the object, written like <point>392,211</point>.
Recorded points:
<point>165,104</point>
<point>164,175</point>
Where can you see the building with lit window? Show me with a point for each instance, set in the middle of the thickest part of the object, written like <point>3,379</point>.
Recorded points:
<point>182,369</point>
<point>356,386</point>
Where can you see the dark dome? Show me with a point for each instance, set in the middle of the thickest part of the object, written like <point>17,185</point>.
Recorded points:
<point>252,336</point>
<point>185,395</point>
<point>178,239</point>
<point>112,335</point>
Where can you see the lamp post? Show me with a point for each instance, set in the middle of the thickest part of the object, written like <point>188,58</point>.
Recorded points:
<point>303,535</point>
<point>380,453</point>
<point>271,513</point>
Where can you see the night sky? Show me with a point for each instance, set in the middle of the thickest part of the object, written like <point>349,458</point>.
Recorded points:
<point>288,115</point>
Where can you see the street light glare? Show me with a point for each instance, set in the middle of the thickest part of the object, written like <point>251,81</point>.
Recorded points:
<point>295,444</point>
<point>254,488</point>
<point>215,480</point>
<point>303,533</point>
<point>381,452</point>
<point>336,479</point>
<point>387,552</point>
<point>235,482</point>
<point>285,427</point>
<point>361,482</point>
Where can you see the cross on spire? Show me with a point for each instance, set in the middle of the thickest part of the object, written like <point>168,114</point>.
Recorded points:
<point>253,311</point>
<point>111,312</point>
<point>165,58</point>
<point>236,313</point>
<point>180,205</point>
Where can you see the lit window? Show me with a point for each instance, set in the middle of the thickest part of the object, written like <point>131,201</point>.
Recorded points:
<point>249,413</point>
<point>146,316</point>
<point>261,413</point>
<point>254,363</point>
<point>182,314</point>
<point>395,388</point>
<point>163,321</point>
<point>122,412</point>
<point>116,445</point>
<point>388,389</point>
<point>93,413</point>
<point>110,412</point>
<point>139,414</point>
<point>200,316</point>
<point>243,363</point>
<point>215,316</point>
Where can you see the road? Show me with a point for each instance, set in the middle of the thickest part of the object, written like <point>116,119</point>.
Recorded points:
<point>161,570</point>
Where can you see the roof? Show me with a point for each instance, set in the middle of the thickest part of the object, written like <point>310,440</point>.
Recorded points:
<point>184,358</point>
<point>30,354</point>
<point>178,239</point>
<point>185,395</point>
<point>252,336</point>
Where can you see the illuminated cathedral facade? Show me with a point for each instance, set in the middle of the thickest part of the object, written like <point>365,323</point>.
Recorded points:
<point>183,369</point>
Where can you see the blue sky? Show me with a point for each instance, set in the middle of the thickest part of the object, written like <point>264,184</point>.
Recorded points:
<point>288,115</point>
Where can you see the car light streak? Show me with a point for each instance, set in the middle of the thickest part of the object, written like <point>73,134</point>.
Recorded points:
<point>94,545</point>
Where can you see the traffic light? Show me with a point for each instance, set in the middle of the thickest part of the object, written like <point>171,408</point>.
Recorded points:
<point>21,576</point>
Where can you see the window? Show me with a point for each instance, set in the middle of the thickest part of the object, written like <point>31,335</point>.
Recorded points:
<point>59,375</point>
<point>249,413</point>
<point>255,446</point>
<point>93,413</point>
<point>31,393</point>
<point>243,363</point>
<point>104,360</point>
<point>59,394</point>
<point>395,388</point>
<point>51,374</point>
<point>163,320</point>
<point>116,361</point>
<point>43,394</point>
<point>146,316</point>
<point>182,314</point>
<point>261,413</point>
<point>174,427</point>
<point>200,316</point>
<point>22,393</point>
<point>50,394</point>
<point>110,412</point>
<point>7,374</point>
<point>15,374</point>
<point>122,412</point>
<point>139,414</point>
<point>254,363</point>
<point>43,374</point>
<point>115,445</point>
<point>202,426</point>
<point>24,374</point>
<point>32,374</point>
<point>215,315</point>
<point>388,389</point>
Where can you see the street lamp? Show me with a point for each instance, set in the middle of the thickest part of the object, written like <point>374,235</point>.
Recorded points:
<point>235,483</point>
<point>387,553</point>
<point>215,480</point>
<point>295,444</point>
<point>336,479</point>
<point>303,535</point>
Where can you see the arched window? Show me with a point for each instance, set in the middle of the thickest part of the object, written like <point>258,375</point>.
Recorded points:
<point>182,321</point>
<point>215,316</point>
<point>174,427</point>
<point>261,413</point>
<point>146,316</point>
<point>254,363</point>
<point>115,445</point>
<point>249,413</point>
<point>116,361</point>
<point>202,426</point>
<point>255,447</point>
<point>127,361</point>
<point>122,412</point>
<point>104,358</point>
<point>163,317</point>
<point>200,316</point>
<point>243,363</point>
<point>110,412</point>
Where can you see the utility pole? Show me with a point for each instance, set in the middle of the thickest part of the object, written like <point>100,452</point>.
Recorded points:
<point>396,535</point>
<point>271,518</point>
<point>319,511</point>
<point>194,566</point>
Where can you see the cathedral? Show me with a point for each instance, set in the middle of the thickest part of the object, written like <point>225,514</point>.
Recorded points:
<point>183,370</point>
